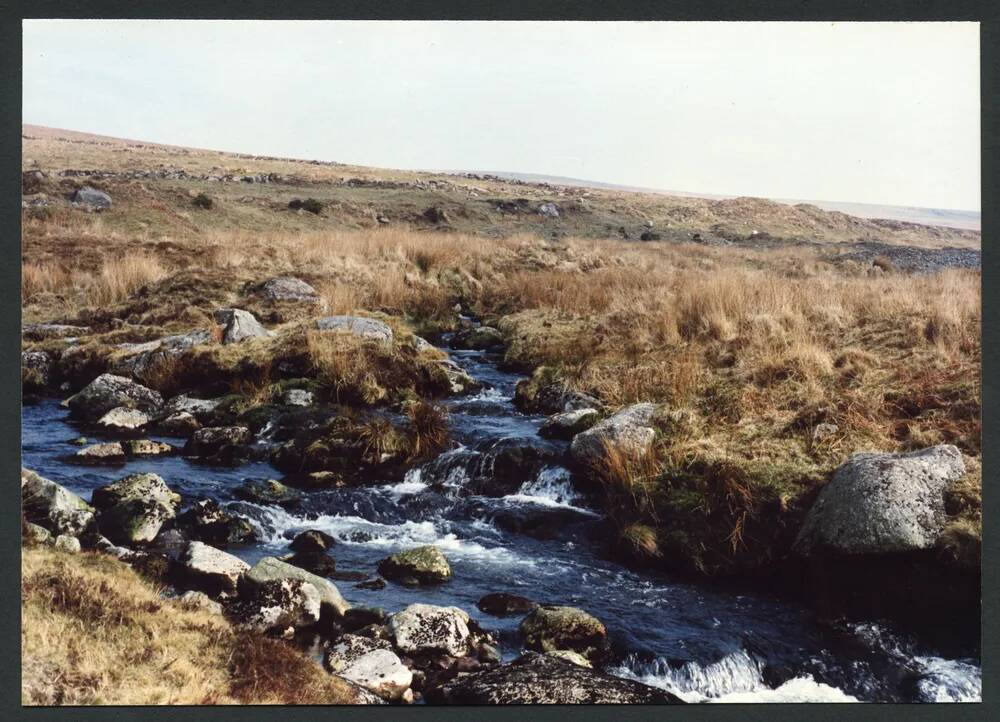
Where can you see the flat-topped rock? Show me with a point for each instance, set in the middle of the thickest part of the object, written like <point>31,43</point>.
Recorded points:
<point>211,570</point>
<point>424,565</point>
<point>422,628</point>
<point>288,288</point>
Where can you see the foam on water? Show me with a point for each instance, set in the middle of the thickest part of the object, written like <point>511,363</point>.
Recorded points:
<point>551,487</point>
<point>354,530</point>
<point>734,678</point>
<point>949,680</point>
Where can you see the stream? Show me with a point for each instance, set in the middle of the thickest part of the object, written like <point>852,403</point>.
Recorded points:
<point>700,641</point>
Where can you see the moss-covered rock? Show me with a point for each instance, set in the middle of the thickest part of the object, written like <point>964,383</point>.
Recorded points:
<point>550,628</point>
<point>425,565</point>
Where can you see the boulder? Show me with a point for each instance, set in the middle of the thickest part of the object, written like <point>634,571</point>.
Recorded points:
<point>629,431</point>
<point>425,565</point>
<point>107,392</point>
<point>458,378</point>
<point>135,486</point>
<point>546,393</point>
<point>479,338</point>
<point>207,521</point>
<point>567,424</point>
<point>882,503</point>
<point>217,441</point>
<point>549,628</point>
<point>277,605</point>
<point>35,534</point>
<point>211,570</point>
<point>297,397</point>
<point>423,628</point>
<point>239,325</point>
<point>53,507</point>
<point>269,568</point>
<point>501,604</point>
<point>201,409</point>
<point>571,656</point>
<point>67,543</point>
<point>371,664</point>
<point>545,679</point>
<point>181,424</point>
<point>143,361</point>
<point>108,453</point>
<point>267,491</point>
<point>312,540</point>
<point>549,210</point>
<point>123,419</point>
<point>359,326</point>
<point>92,199</point>
<point>289,289</point>
<point>134,508</point>
<point>136,521</point>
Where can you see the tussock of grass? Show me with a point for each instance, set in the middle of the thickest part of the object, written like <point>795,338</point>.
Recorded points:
<point>94,632</point>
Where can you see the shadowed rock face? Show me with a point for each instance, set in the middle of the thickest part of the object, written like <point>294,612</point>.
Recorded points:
<point>546,679</point>
<point>882,503</point>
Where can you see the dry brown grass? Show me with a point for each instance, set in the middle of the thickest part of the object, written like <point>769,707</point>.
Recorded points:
<point>94,632</point>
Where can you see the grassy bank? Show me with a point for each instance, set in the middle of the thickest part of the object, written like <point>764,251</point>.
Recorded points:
<point>94,632</point>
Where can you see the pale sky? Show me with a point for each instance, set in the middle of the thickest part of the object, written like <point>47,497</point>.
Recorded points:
<point>864,112</point>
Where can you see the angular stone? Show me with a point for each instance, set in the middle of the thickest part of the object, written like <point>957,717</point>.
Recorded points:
<point>52,506</point>
<point>358,326</point>
<point>629,431</point>
<point>270,568</point>
<point>422,628</point>
<point>426,564</point>
<point>371,664</point>
<point>107,392</point>
<point>212,570</point>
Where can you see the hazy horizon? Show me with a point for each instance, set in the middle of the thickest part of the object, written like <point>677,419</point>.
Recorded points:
<point>777,110</point>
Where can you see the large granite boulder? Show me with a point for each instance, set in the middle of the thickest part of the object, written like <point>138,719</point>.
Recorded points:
<point>207,521</point>
<point>371,664</point>
<point>882,503</point>
<point>422,565</point>
<point>546,679</point>
<point>52,506</point>
<point>629,431</point>
<point>269,568</point>
<point>567,424</point>
<point>278,605</point>
<point>239,325</point>
<point>107,392</point>
<point>422,628</point>
<point>92,199</point>
<point>211,570</point>
<point>135,508</point>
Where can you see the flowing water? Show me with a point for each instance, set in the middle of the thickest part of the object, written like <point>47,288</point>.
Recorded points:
<point>539,537</point>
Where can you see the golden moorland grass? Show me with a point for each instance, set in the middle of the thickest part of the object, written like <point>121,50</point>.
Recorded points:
<point>94,632</point>
<point>754,348</point>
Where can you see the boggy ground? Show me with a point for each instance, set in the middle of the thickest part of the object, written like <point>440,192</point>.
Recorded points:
<point>772,363</point>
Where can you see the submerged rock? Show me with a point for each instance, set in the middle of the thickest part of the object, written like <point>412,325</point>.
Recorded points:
<point>424,565</point>
<point>567,424</point>
<point>545,679</point>
<point>357,326</point>
<point>269,568</point>
<point>239,325</point>
<point>146,447</point>
<point>422,628</point>
<point>501,604</point>
<point>549,628</point>
<point>629,431</point>
<point>107,392</point>
<point>52,506</point>
<point>211,570</point>
<point>882,503</point>
<point>369,663</point>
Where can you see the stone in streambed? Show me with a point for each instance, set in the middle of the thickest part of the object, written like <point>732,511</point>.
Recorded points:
<point>549,628</point>
<point>267,491</point>
<point>371,664</point>
<point>207,521</point>
<point>134,508</point>
<point>424,628</point>
<point>278,605</point>
<point>108,392</point>
<point>425,564</point>
<point>568,424</point>
<point>312,540</point>
<point>106,453</point>
<point>501,604</point>
<point>123,420</point>
<point>630,431</point>
<point>211,570</point>
<point>270,568</point>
